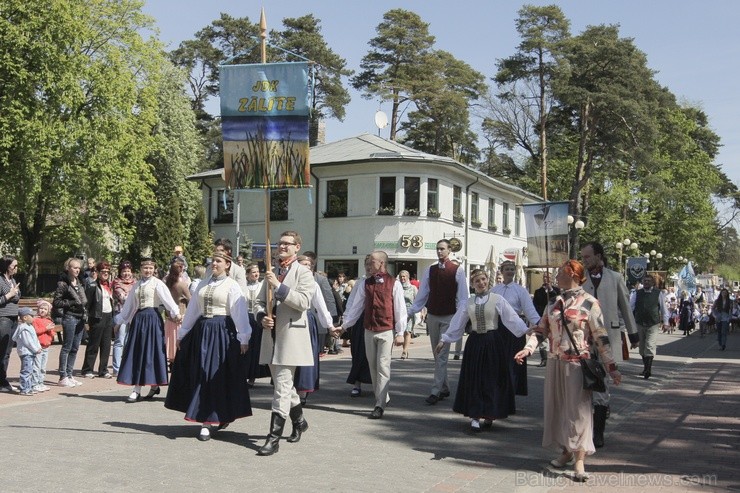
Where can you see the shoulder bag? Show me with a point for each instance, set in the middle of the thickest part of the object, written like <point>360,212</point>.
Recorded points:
<point>593,371</point>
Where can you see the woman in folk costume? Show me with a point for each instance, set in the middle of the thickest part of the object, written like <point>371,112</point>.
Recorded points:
<point>144,361</point>
<point>574,317</point>
<point>485,390</point>
<point>286,342</point>
<point>359,371</point>
<point>209,381</point>
<point>306,378</point>
<point>254,286</point>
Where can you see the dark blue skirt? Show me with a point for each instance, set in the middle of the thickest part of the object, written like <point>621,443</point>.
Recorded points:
<point>518,373</point>
<point>254,369</point>
<point>306,378</point>
<point>360,371</point>
<point>485,388</point>
<point>209,381</point>
<point>144,361</point>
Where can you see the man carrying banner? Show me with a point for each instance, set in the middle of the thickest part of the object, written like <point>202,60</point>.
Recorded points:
<point>286,342</point>
<point>610,289</point>
<point>443,291</point>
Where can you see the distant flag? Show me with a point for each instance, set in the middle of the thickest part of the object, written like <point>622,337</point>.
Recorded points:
<point>687,279</point>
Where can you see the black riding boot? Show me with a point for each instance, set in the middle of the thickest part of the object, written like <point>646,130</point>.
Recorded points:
<point>644,365</point>
<point>599,425</point>
<point>648,367</point>
<point>543,357</point>
<point>277,423</point>
<point>299,423</point>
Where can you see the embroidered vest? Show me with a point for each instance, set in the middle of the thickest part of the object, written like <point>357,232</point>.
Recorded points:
<point>146,293</point>
<point>379,316</point>
<point>442,289</point>
<point>484,317</point>
<point>214,298</point>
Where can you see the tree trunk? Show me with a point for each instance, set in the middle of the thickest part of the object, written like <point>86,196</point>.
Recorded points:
<point>543,129</point>
<point>581,177</point>
<point>394,114</point>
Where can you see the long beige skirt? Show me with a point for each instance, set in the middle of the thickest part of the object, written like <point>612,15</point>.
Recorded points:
<point>568,420</point>
<point>170,339</point>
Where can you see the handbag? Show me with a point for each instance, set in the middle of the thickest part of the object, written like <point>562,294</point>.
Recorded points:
<point>593,372</point>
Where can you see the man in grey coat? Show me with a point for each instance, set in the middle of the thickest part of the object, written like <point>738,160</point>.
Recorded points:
<point>286,342</point>
<point>610,289</point>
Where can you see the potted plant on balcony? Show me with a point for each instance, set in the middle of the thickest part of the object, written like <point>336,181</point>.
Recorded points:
<point>411,212</point>
<point>476,223</point>
<point>458,218</point>
<point>431,212</point>
<point>387,211</point>
<point>507,231</point>
<point>493,228</point>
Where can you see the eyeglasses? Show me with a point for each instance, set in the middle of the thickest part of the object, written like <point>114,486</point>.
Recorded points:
<point>286,243</point>
<point>105,272</point>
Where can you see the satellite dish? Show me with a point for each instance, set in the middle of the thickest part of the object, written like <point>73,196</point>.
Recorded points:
<point>381,119</point>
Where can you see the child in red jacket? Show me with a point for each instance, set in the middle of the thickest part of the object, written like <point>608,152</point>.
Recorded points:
<point>45,331</point>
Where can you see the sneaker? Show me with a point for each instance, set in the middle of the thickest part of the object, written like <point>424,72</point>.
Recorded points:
<point>28,392</point>
<point>106,375</point>
<point>89,375</point>
<point>66,382</point>
<point>41,388</point>
<point>7,388</point>
<point>76,383</point>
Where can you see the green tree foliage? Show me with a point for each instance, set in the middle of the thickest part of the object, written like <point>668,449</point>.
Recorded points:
<point>631,161</point>
<point>200,241</point>
<point>302,36</point>
<point>390,69</point>
<point>168,231</point>
<point>442,93</point>
<point>76,111</point>
<point>525,81</point>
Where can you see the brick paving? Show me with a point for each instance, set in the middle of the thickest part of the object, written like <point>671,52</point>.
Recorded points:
<point>677,431</point>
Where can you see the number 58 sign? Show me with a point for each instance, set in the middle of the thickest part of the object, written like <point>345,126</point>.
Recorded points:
<point>409,241</point>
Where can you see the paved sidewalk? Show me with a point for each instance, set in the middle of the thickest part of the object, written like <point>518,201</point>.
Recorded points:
<point>677,431</point>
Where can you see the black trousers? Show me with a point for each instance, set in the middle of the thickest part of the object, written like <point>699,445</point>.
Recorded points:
<point>99,338</point>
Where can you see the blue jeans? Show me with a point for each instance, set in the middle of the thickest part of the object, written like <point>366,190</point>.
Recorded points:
<point>118,344</point>
<point>26,376</point>
<point>73,328</point>
<point>7,327</point>
<point>722,328</point>
<point>39,366</point>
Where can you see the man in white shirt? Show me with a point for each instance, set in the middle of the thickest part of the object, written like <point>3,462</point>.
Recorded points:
<point>379,299</point>
<point>443,290</point>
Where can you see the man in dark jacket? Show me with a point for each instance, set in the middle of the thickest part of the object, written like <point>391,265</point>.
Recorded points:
<point>543,296</point>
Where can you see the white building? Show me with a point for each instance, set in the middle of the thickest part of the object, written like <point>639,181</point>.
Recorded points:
<point>373,194</point>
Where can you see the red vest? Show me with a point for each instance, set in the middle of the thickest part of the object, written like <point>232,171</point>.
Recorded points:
<point>442,289</point>
<point>379,316</point>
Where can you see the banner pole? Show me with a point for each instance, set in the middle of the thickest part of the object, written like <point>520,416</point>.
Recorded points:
<point>268,249</point>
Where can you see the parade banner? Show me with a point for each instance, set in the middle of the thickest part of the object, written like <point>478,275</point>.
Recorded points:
<point>636,270</point>
<point>687,279</point>
<point>264,118</point>
<point>547,233</point>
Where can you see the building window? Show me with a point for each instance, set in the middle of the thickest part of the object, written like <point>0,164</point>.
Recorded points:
<point>433,194</point>
<point>224,207</point>
<point>456,200</point>
<point>491,213</point>
<point>278,205</point>
<point>411,187</point>
<point>336,198</point>
<point>505,222</point>
<point>474,215</point>
<point>517,221</point>
<point>387,193</point>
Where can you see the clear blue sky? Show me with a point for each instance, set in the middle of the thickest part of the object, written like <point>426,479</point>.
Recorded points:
<point>694,46</point>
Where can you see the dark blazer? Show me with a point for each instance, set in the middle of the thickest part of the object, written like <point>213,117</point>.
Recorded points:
<point>543,298</point>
